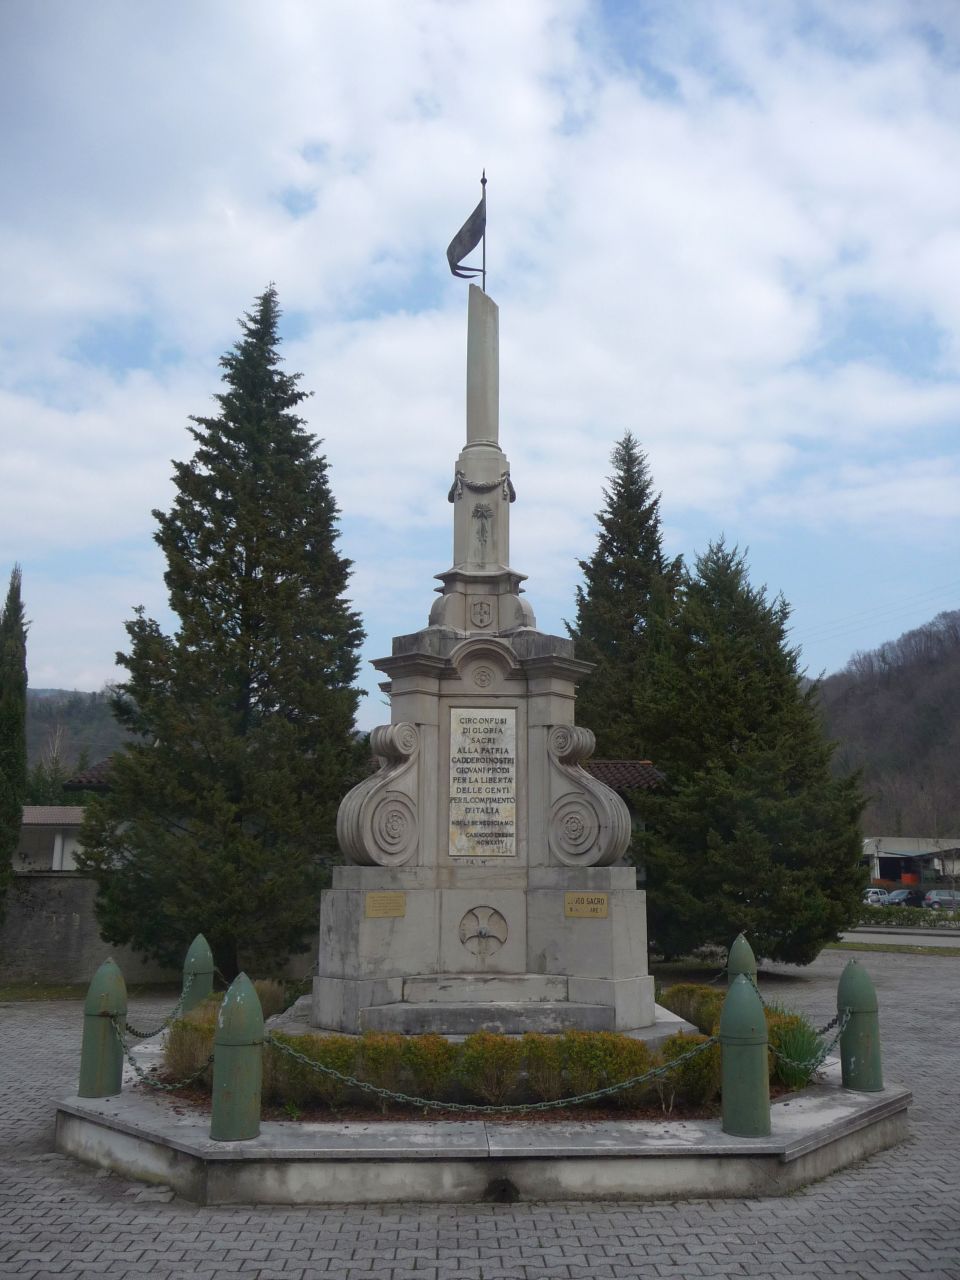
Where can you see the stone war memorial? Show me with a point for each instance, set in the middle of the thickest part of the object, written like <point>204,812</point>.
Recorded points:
<point>486,887</point>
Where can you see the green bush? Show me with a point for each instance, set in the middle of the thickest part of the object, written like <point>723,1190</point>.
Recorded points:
<point>794,1037</point>
<point>593,1060</point>
<point>545,1063</point>
<point>697,1002</point>
<point>490,1066</point>
<point>293,1083</point>
<point>696,1081</point>
<point>189,1040</point>
<point>431,1062</point>
<point>683,997</point>
<point>909,917</point>
<point>272,995</point>
<point>633,1058</point>
<point>380,1062</point>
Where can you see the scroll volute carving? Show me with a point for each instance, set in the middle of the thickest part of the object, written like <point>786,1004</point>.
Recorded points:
<point>377,823</point>
<point>588,824</point>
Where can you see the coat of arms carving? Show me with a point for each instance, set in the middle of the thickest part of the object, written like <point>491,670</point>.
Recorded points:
<point>481,613</point>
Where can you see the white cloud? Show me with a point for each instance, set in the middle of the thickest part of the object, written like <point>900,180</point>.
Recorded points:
<point>684,228</point>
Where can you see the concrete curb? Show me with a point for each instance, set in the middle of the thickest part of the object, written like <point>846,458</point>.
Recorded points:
<point>814,1132</point>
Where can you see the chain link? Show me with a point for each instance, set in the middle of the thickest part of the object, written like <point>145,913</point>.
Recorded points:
<point>143,1076</point>
<point>817,1061</point>
<point>174,1012</point>
<point>485,1109</point>
<point>821,1031</point>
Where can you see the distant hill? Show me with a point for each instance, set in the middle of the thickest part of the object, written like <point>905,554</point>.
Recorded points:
<point>75,724</point>
<point>895,712</point>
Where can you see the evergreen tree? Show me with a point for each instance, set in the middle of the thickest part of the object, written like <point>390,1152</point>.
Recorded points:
<point>751,831</point>
<point>13,728</point>
<point>628,590</point>
<point>221,815</point>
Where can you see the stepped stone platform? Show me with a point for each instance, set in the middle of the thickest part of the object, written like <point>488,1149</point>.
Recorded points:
<point>457,1005</point>
<point>814,1132</point>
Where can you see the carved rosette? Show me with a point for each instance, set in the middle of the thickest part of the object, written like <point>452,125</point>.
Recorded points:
<point>377,823</point>
<point>588,824</point>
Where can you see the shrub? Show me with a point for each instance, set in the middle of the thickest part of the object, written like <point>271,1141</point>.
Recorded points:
<point>431,1062</point>
<point>792,1036</point>
<point>189,1040</point>
<point>632,1058</point>
<point>696,1081</point>
<point>708,1010</point>
<point>595,1059</point>
<point>295,1084</point>
<point>545,1066</point>
<point>272,995</point>
<point>698,1002</point>
<point>380,1062</point>
<point>490,1066</point>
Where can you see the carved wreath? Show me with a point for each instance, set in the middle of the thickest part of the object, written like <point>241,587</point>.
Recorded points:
<point>460,482</point>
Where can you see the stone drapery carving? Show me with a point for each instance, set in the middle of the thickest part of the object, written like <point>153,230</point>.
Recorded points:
<point>503,483</point>
<point>588,824</point>
<point>378,824</point>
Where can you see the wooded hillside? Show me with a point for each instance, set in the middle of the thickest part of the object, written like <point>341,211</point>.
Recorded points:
<point>71,725</point>
<point>895,712</point>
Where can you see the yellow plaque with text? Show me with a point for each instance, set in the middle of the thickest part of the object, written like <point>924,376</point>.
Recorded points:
<point>385,906</point>
<point>585,906</point>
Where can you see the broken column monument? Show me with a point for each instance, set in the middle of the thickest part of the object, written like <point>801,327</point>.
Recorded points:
<point>485,885</point>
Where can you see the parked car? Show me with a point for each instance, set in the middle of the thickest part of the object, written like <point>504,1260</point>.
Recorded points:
<point>905,898</point>
<point>875,897</point>
<point>942,899</point>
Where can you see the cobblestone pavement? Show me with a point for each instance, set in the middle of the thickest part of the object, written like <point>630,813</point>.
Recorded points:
<point>896,1215</point>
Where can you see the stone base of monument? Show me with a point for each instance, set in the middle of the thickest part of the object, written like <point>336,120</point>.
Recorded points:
<point>813,1133</point>
<point>545,949</point>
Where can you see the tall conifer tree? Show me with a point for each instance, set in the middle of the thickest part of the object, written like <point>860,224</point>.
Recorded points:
<point>221,817</point>
<point>628,590</point>
<point>13,727</point>
<point>750,831</point>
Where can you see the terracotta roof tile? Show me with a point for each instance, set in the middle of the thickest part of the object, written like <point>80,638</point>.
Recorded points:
<point>625,775</point>
<point>96,778</point>
<point>52,815</point>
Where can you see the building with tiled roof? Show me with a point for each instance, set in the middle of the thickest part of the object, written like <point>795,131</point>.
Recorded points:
<point>48,837</point>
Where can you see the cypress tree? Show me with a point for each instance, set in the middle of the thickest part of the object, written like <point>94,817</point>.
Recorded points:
<point>221,814</point>
<point>13,727</point>
<point>750,831</point>
<point>628,590</point>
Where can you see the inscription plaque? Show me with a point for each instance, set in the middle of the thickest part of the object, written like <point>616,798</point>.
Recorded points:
<point>384,905</point>
<point>483,782</point>
<point>585,906</point>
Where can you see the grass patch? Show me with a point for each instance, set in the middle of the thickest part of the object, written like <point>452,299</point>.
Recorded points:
<point>895,948</point>
<point>14,991</point>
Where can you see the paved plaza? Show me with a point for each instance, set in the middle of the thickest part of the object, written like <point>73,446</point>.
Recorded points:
<point>896,1215</point>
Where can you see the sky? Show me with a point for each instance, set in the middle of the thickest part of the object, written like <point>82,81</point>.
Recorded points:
<point>730,228</point>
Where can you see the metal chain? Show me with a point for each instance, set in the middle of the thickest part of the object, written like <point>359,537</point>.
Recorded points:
<point>486,1109</point>
<point>142,1076</point>
<point>174,1012</point>
<point>821,1031</point>
<point>814,1063</point>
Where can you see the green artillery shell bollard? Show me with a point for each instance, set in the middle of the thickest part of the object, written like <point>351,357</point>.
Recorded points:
<point>197,973</point>
<point>101,1054</point>
<point>237,1064</point>
<point>741,960</point>
<point>745,1081</point>
<point>860,1039</point>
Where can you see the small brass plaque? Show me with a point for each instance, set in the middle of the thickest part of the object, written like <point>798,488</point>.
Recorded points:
<point>384,906</point>
<point>585,905</point>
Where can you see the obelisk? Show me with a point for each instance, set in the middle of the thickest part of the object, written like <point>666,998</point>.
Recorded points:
<point>486,887</point>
